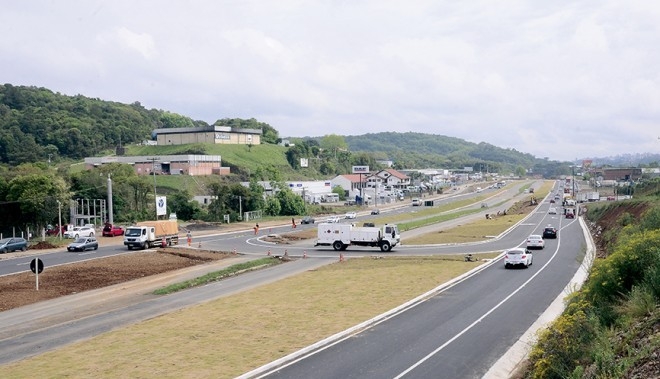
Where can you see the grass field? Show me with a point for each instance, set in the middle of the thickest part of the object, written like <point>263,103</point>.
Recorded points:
<point>232,335</point>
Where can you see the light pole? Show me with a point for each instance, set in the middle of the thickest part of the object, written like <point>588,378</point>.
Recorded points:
<point>59,219</point>
<point>153,172</point>
<point>573,180</point>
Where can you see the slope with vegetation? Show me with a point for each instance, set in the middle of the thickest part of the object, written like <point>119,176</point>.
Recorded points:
<point>611,328</point>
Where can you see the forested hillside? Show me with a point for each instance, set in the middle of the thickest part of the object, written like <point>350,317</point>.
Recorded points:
<point>424,150</point>
<point>39,125</point>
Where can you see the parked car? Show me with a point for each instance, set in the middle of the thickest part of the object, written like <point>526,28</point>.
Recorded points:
<point>552,211</point>
<point>112,231</point>
<point>80,231</point>
<point>350,215</point>
<point>333,219</point>
<point>518,257</point>
<point>375,211</point>
<point>535,241</point>
<point>82,244</point>
<point>550,232</point>
<point>7,245</point>
<point>307,220</point>
<point>54,231</point>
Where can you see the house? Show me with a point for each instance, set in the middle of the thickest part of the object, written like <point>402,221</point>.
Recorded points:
<point>390,178</point>
<point>350,182</point>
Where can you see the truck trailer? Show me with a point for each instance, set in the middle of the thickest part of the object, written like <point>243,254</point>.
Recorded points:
<point>152,233</point>
<point>340,236</point>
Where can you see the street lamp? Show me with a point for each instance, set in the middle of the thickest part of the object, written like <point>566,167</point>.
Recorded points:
<point>153,172</point>
<point>59,219</point>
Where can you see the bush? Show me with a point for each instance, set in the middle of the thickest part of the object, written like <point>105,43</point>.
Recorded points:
<point>561,347</point>
<point>633,256</point>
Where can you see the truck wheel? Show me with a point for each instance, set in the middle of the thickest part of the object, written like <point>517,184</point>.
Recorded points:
<point>337,245</point>
<point>385,246</point>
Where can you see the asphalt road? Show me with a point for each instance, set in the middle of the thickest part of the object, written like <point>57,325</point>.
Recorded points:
<point>457,331</point>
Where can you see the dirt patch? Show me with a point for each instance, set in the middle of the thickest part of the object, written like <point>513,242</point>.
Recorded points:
<point>20,289</point>
<point>611,221</point>
<point>289,238</point>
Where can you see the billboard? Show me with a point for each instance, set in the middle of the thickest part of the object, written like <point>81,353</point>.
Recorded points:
<point>360,169</point>
<point>304,162</point>
<point>161,206</point>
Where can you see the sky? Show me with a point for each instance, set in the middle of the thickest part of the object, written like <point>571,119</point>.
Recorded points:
<point>560,79</point>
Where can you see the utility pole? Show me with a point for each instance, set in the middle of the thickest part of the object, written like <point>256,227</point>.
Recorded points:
<point>153,172</point>
<point>110,212</point>
<point>59,220</point>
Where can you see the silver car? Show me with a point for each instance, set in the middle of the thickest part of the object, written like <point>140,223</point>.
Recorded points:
<point>83,243</point>
<point>518,257</point>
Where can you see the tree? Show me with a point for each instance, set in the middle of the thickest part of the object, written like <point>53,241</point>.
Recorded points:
<point>36,195</point>
<point>291,203</point>
<point>185,208</point>
<point>333,143</point>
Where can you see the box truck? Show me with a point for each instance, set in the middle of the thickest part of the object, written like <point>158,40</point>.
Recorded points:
<point>152,233</point>
<point>340,236</point>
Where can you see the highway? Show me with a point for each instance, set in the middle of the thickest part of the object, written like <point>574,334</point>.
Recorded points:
<point>457,331</point>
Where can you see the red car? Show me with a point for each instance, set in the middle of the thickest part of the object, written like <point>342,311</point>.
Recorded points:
<point>112,231</point>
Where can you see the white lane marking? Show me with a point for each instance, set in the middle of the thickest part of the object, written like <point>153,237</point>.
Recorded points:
<point>436,351</point>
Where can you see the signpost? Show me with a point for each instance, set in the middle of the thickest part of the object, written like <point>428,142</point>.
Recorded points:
<point>37,266</point>
<point>361,170</point>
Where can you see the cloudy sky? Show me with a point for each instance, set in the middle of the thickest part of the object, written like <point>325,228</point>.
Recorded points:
<point>557,79</point>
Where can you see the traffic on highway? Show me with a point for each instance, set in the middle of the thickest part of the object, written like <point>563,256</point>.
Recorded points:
<point>459,329</point>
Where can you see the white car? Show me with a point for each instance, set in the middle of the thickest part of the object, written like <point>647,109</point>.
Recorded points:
<point>350,215</point>
<point>79,231</point>
<point>333,219</point>
<point>552,211</point>
<point>518,257</point>
<point>535,241</point>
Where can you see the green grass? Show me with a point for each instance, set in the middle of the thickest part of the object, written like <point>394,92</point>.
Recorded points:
<point>219,275</point>
<point>232,335</point>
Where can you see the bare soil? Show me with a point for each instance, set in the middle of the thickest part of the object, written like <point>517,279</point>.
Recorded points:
<point>20,289</point>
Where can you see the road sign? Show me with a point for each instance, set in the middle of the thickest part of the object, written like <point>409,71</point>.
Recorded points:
<point>37,265</point>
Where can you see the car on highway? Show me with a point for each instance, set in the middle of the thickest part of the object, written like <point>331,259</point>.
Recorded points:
<point>80,231</point>
<point>535,241</point>
<point>83,243</point>
<point>569,212</point>
<point>350,215</point>
<point>333,219</point>
<point>375,211</point>
<point>7,245</point>
<point>549,232</point>
<point>307,220</point>
<point>518,257</point>
<point>552,211</point>
<point>112,231</point>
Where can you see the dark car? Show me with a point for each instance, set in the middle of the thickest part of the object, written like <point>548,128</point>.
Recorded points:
<point>375,212</point>
<point>8,245</point>
<point>83,243</point>
<point>112,231</point>
<point>307,220</point>
<point>549,232</point>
